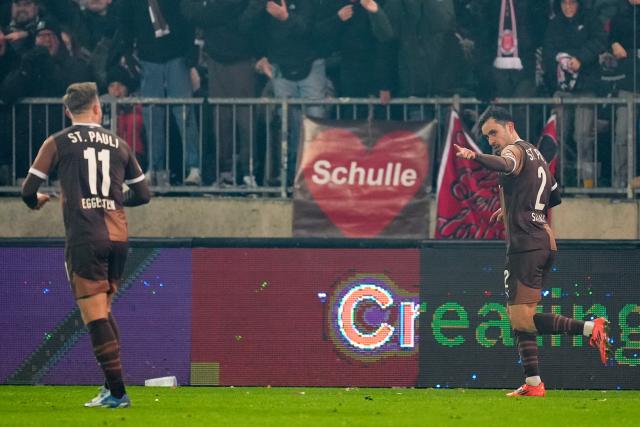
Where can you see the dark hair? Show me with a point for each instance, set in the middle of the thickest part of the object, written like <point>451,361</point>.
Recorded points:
<point>119,74</point>
<point>80,96</point>
<point>499,114</point>
<point>48,24</point>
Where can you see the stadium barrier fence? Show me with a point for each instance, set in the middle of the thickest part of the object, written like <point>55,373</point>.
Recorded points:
<point>260,130</point>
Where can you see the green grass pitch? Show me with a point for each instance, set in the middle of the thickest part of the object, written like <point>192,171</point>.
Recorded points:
<point>240,406</point>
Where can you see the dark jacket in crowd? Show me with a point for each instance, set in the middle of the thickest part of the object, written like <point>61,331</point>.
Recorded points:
<point>5,12</point>
<point>42,75</point>
<point>22,45</point>
<point>290,43</point>
<point>360,34</point>
<point>430,58</point>
<point>622,31</point>
<point>95,27</point>
<point>363,43</point>
<point>8,58</point>
<point>219,20</point>
<point>138,30</point>
<point>100,40</point>
<point>582,37</point>
<point>66,12</point>
<point>604,10</point>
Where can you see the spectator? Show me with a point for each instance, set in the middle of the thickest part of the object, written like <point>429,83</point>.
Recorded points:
<point>604,10</point>
<point>360,31</point>
<point>292,60</point>
<point>66,12</point>
<point>130,126</point>
<point>623,40</point>
<point>431,59</point>
<point>164,42</point>
<point>515,31</point>
<point>20,33</point>
<point>230,57</point>
<point>471,32</point>
<point>7,56</point>
<point>573,42</point>
<point>99,38</point>
<point>26,15</point>
<point>100,20</point>
<point>46,70</point>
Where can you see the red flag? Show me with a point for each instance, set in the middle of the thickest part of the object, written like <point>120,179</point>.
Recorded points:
<point>548,143</point>
<point>468,194</point>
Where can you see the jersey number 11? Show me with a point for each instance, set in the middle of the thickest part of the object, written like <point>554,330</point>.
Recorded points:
<point>104,159</point>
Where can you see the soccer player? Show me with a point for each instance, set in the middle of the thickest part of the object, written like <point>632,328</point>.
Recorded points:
<point>92,164</point>
<point>527,191</point>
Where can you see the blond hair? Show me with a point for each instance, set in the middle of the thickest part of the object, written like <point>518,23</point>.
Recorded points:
<point>80,97</point>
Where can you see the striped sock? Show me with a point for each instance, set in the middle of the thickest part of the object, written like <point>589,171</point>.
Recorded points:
<point>107,352</point>
<point>551,324</point>
<point>116,331</point>
<point>528,350</point>
<point>114,326</point>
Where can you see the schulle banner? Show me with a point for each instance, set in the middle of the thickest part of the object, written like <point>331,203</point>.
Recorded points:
<point>363,179</point>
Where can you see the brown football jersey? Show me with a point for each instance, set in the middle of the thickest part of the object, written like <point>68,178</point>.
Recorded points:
<point>525,195</point>
<point>92,165</point>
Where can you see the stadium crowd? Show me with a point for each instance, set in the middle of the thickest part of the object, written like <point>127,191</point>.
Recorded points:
<point>307,49</point>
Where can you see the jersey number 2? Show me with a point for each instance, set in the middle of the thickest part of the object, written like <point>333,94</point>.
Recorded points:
<point>543,175</point>
<point>104,159</point>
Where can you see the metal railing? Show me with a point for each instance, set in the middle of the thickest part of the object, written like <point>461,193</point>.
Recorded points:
<point>242,145</point>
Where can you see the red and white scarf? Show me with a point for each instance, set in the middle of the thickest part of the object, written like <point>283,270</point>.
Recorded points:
<point>507,57</point>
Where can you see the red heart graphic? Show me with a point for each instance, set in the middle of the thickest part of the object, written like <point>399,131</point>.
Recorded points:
<point>362,190</point>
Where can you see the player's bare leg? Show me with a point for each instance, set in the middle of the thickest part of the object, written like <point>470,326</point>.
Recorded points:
<point>521,316</point>
<point>93,308</point>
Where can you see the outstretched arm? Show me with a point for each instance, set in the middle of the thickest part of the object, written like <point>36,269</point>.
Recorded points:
<point>505,164</point>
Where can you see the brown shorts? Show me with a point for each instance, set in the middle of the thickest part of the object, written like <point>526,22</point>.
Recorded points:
<point>525,275</point>
<point>95,267</point>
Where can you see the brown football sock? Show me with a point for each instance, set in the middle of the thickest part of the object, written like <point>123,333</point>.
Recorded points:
<point>107,352</point>
<point>114,326</point>
<point>116,331</point>
<point>551,324</point>
<point>528,350</point>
